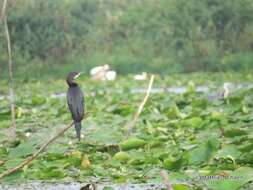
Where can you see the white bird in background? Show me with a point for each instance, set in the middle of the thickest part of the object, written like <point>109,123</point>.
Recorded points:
<point>99,69</point>
<point>103,73</point>
<point>111,75</point>
<point>142,76</point>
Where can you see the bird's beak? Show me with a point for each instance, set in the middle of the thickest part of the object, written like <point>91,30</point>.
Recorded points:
<point>80,73</point>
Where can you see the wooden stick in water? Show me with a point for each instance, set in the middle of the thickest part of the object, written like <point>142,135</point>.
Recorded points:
<point>141,106</point>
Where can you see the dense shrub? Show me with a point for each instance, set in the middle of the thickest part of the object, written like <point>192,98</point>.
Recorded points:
<point>163,36</point>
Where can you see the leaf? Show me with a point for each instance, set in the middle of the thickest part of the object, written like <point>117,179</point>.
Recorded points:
<point>22,150</point>
<point>234,180</point>
<point>181,187</point>
<point>137,157</point>
<point>38,100</point>
<point>235,132</point>
<point>104,134</point>
<point>217,115</point>
<point>174,177</point>
<point>85,162</point>
<point>173,163</point>
<point>236,101</point>
<point>2,137</point>
<point>132,143</point>
<point>203,152</point>
<point>75,154</point>
<point>18,112</point>
<point>13,163</point>
<point>16,176</point>
<point>174,112</point>
<point>108,188</point>
<point>194,122</point>
<point>50,173</point>
<point>200,103</point>
<point>229,150</point>
<point>5,115</point>
<point>122,156</point>
<point>191,88</point>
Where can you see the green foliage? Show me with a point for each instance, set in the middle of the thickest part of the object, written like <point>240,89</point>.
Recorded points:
<point>203,152</point>
<point>132,143</point>
<point>162,36</point>
<point>187,135</point>
<point>241,176</point>
<point>122,156</point>
<point>23,150</point>
<point>43,28</point>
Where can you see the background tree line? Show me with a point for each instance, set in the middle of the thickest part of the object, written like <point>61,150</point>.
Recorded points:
<point>162,36</point>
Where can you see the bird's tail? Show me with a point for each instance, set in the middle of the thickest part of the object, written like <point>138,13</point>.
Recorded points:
<point>78,126</point>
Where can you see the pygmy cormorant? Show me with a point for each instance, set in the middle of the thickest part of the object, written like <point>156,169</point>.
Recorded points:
<point>75,101</point>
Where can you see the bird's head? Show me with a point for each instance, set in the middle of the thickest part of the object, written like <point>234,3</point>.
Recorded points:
<point>90,186</point>
<point>71,78</point>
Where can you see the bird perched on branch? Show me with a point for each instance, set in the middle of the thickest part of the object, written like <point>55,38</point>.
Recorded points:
<point>75,101</point>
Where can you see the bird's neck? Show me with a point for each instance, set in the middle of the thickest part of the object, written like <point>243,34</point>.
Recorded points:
<point>71,83</point>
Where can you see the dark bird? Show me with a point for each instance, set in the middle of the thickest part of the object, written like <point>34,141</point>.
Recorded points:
<point>75,101</point>
<point>90,186</point>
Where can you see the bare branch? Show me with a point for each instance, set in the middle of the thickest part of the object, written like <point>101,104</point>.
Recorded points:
<point>10,66</point>
<point>36,154</point>
<point>3,10</point>
<point>141,106</point>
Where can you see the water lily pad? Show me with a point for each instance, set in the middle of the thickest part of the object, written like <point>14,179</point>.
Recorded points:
<point>122,156</point>
<point>132,143</point>
<point>233,181</point>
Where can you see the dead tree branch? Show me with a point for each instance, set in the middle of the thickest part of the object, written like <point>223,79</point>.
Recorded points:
<point>36,154</point>
<point>141,106</point>
<point>10,68</point>
<point>3,10</point>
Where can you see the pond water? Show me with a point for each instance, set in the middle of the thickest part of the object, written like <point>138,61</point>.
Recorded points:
<point>176,90</point>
